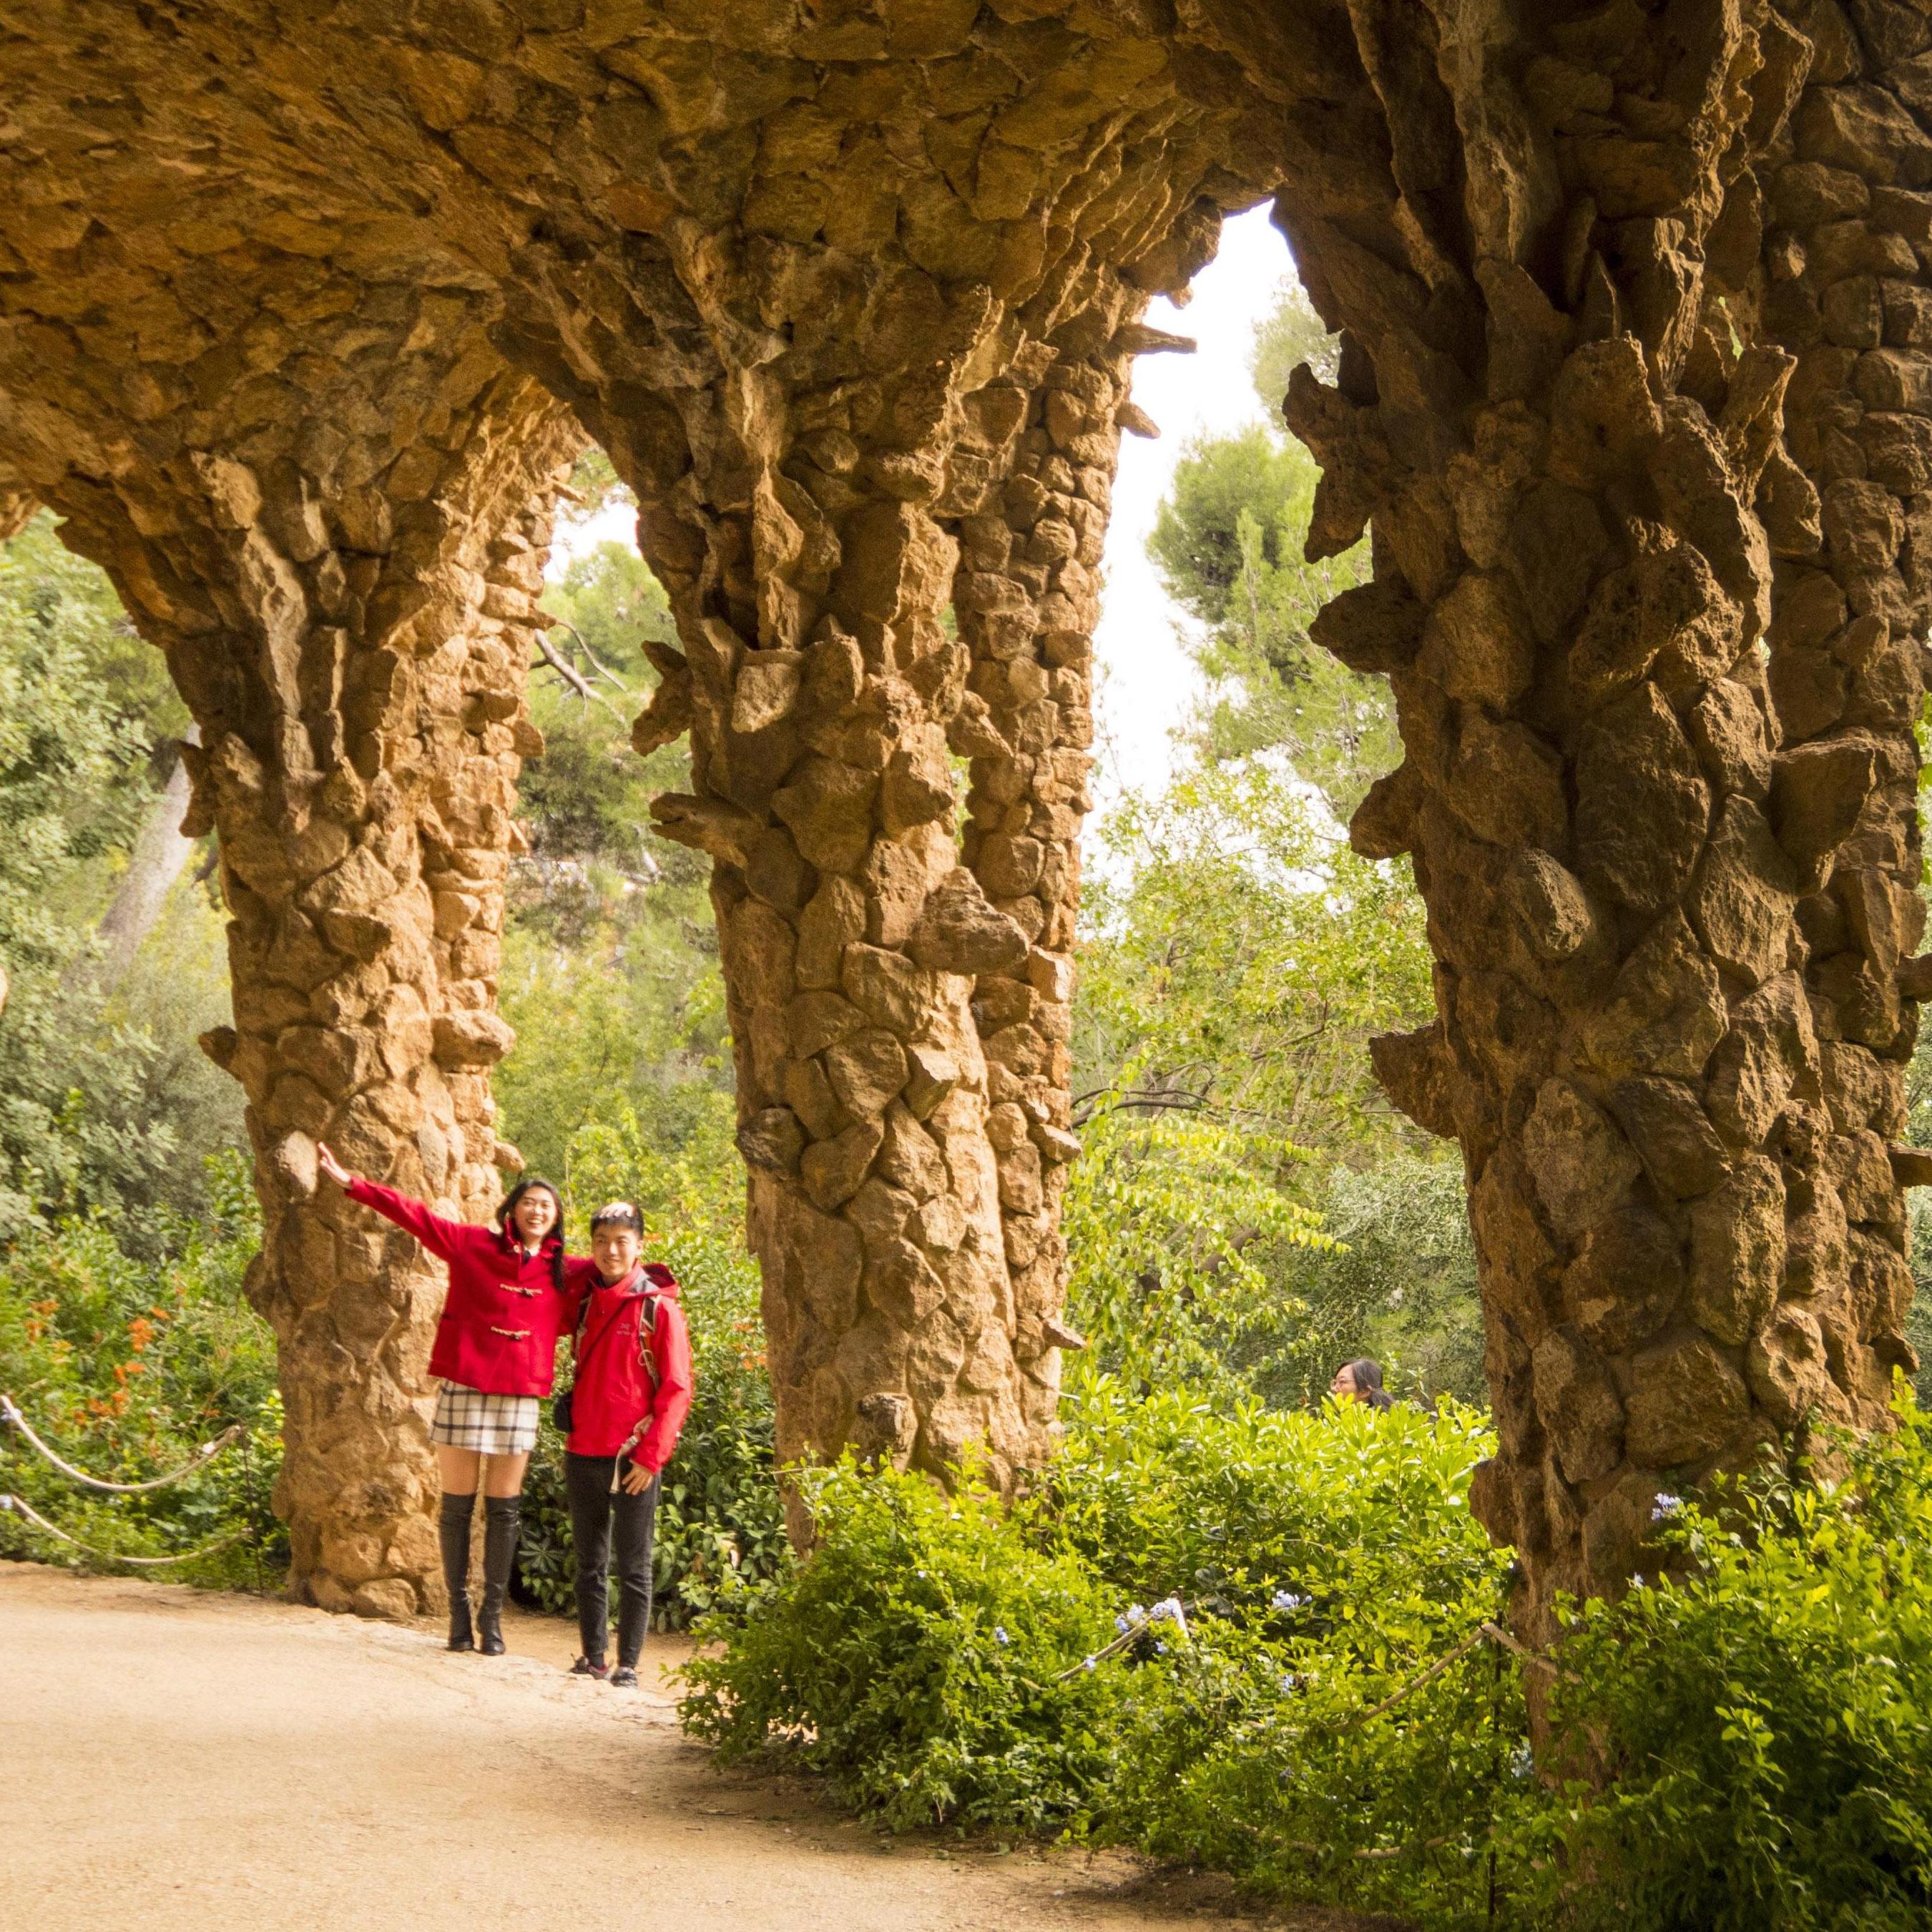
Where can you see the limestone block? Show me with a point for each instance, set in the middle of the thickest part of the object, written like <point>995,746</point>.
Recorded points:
<point>1642,803</point>
<point>1680,1149</point>
<point>1686,1403</point>
<point>1742,899</point>
<point>1786,1367</point>
<point>1737,1252</point>
<point>1666,1012</point>
<point>1583,1166</point>
<point>1579,1404</point>
<point>866,1071</point>
<point>958,931</point>
<point>1626,1281</point>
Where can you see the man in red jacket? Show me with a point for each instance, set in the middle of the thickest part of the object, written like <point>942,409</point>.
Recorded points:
<point>629,1400</point>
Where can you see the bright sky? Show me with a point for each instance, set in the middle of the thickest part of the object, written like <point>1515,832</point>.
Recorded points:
<point>1146,680</point>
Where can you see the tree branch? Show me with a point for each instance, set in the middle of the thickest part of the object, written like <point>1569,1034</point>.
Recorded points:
<point>572,677</point>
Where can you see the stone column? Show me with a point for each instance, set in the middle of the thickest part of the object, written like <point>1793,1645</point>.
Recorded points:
<point>851,933</point>
<point>900,1037</point>
<point>347,612</point>
<point>1557,410</point>
<point>1847,221</point>
<point>1026,600</point>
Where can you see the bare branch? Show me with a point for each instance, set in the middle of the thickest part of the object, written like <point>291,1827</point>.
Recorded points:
<point>603,670</point>
<point>572,677</point>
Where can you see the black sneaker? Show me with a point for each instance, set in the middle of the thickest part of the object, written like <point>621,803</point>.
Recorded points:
<point>583,1667</point>
<point>624,1677</point>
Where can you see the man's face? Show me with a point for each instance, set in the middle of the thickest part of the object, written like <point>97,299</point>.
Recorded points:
<point>616,1248</point>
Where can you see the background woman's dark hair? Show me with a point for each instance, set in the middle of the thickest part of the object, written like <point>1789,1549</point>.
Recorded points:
<point>1368,1374</point>
<point>553,1240</point>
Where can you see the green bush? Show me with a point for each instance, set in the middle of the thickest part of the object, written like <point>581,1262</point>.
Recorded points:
<point>1755,1717</point>
<point>126,1366</point>
<point>1763,1714</point>
<point>919,1661</point>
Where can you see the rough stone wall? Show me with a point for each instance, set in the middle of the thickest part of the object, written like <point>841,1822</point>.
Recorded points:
<point>841,295</point>
<point>339,557</point>
<point>1655,697</point>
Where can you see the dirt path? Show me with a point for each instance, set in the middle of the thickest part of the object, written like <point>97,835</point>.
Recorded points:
<point>175,1760</point>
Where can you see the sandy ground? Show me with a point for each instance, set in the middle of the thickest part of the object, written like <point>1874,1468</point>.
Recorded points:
<point>172,1761</point>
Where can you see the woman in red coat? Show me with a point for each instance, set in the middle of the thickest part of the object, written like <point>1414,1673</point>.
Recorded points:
<point>512,1294</point>
<point>631,1393</point>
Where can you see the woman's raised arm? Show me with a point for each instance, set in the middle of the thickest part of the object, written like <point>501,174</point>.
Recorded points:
<point>442,1238</point>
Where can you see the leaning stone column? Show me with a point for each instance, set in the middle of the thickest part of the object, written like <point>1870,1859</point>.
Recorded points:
<point>1847,222</point>
<point>1551,406</point>
<point>349,621</point>
<point>1026,600</point>
<point>850,934</point>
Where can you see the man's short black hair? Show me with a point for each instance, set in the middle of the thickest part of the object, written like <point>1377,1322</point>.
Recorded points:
<point>618,1214</point>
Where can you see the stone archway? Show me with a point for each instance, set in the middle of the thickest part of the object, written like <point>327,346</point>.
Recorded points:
<point>1631,311</point>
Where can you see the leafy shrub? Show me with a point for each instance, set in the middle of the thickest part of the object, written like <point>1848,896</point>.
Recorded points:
<point>126,1366</point>
<point>1365,1515</point>
<point>1764,1714</point>
<point>919,1660</point>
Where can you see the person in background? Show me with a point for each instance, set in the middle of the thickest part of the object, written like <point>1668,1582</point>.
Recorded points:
<point>1361,1381</point>
<point>630,1398</point>
<point>511,1293</point>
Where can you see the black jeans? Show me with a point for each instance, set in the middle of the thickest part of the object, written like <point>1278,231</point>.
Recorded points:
<point>593,1504</point>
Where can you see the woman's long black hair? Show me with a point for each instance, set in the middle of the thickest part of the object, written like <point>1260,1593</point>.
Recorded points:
<point>1368,1374</point>
<point>553,1240</point>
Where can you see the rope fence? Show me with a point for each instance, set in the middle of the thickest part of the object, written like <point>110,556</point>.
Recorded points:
<point>10,1413</point>
<point>13,1505</point>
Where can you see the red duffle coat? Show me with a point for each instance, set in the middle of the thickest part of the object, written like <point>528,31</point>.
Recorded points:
<point>499,1325</point>
<point>633,1386</point>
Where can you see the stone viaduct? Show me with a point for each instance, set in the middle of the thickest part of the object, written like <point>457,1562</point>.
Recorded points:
<point>306,305</point>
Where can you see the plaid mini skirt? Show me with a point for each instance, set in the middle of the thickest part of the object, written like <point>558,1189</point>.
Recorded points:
<point>492,1425</point>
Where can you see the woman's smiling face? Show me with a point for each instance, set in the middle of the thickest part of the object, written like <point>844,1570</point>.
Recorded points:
<point>534,1216</point>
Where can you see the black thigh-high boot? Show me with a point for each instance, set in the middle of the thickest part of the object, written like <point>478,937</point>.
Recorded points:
<point>453,1530</point>
<point>500,1518</point>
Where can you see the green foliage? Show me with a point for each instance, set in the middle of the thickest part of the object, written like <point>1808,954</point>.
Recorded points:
<point>126,1367</point>
<point>1364,1514</point>
<point>91,1089</point>
<point>1764,1713</point>
<point>1196,543</point>
<point>1241,958</point>
<point>1228,543</point>
<point>918,1660</point>
<point>1291,332</point>
<point>1756,1717</point>
<point>1400,1286</point>
<point>941,1660</point>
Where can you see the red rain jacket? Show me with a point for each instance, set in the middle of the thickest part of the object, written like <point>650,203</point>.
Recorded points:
<point>633,1386</point>
<point>498,1327</point>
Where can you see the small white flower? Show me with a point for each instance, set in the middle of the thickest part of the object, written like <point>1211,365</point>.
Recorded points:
<point>1086,1664</point>
<point>1637,1582</point>
<point>1523,1764</point>
<point>1290,1684</point>
<point>1286,1600</point>
<point>1665,1506</point>
<point>1000,1636</point>
<point>1159,1649</point>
